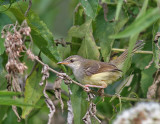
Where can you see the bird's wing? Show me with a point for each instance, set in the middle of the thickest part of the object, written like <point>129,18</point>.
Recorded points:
<point>99,67</point>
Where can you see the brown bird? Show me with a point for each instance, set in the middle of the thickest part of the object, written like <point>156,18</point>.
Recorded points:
<point>98,74</point>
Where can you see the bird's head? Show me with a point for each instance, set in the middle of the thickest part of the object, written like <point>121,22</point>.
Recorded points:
<point>74,62</point>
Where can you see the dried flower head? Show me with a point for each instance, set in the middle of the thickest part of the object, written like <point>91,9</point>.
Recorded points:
<point>14,35</point>
<point>142,113</point>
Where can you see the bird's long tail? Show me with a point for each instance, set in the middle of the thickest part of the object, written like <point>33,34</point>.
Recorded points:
<point>120,60</point>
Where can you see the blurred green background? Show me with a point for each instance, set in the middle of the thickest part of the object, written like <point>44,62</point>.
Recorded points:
<point>57,14</point>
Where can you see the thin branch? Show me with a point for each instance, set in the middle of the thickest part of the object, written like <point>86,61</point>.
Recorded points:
<point>150,63</point>
<point>139,51</point>
<point>50,87</point>
<point>123,98</point>
<point>64,43</point>
<point>29,7</point>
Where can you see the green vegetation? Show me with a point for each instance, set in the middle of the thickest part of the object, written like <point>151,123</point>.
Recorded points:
<point>89,28</point>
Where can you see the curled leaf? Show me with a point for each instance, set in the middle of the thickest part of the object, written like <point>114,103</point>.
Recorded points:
<point>50,106</point>
<point>91,112</point>
<point>57,91</point>
<point>87,118</point>
<point>70,112</point>
<point>45,74</point>
<point>153,89</point>
<point>14,108</point>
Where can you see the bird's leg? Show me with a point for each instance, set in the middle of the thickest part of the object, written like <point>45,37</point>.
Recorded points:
<point>88,85</point>
<point>101,91</point>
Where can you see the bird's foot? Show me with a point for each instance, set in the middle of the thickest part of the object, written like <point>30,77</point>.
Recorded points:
<point>101,91</point>
<point>87,89</point>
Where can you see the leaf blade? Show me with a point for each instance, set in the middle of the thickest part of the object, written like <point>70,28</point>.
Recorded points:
<point>139,24</point>
<point>33,91</point>
<point>90,7</point>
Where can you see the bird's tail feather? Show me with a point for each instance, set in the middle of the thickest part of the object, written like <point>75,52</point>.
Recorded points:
<point>120,60</point>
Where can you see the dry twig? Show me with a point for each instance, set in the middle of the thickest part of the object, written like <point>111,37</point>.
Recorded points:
<point>29,7</point>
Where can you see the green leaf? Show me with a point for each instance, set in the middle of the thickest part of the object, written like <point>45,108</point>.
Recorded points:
<point>139,61</point>
<point>64,52</point>
<point>4,2</point>
<point>4,20</point>
<point>3,112</point>
<point>11,118</point>
<point>79,103</point>
<point>119,6</point>
<point>140,24</point>
<point>104,106</point>
<point>156,51</point>
<point>33,91</point>
<point>3,82</point>
<point>41,35</point>
<point>2,48</point>
<point>79,19</point>
<point>156,54</point>
<point>79,16</point>
<point>90,7</point>
<point>9,93</point>
<point>147,79</point>
<point>80,31</point>
<point>104,29</point>
<point>143,10</point>
<point>88,48</point>
<point>102,33</point>
<point>16,102</point>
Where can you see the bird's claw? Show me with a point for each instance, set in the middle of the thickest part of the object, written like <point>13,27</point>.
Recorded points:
<point>87,89</point>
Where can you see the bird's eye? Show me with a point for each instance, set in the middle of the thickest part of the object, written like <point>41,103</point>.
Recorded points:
<point>71,60</point>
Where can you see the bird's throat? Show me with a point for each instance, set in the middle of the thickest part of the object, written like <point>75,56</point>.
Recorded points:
<point>79,74</point>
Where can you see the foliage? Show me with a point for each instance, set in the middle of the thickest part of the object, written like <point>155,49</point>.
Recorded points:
<point>98,27</point>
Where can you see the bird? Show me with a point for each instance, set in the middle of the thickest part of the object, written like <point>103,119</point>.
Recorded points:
<point>97,74</point>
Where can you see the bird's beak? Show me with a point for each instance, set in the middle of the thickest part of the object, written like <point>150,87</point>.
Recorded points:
<point>64,63</point>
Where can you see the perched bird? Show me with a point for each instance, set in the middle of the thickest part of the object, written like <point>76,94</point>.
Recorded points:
<point>98,74</point>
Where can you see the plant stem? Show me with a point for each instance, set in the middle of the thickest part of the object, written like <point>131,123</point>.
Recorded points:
<point>139,51</point>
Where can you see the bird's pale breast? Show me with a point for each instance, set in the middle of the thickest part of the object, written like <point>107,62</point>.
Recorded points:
<point>102,78</point>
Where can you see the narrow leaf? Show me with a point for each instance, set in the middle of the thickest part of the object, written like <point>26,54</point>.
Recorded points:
<point>80,31</point>
<point>90,7</point>
<point>140,24</point>
<point>2,48</point>
<point>119,6</point>
<point>147,79</point>
<point>79,103</point>
<point>33,91</point>
<point>156,43</point>
<point>143,10</point>
<point>88,48</point>
<point>9,93</point>
<point>104,29</point>
<point>16,102</point>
